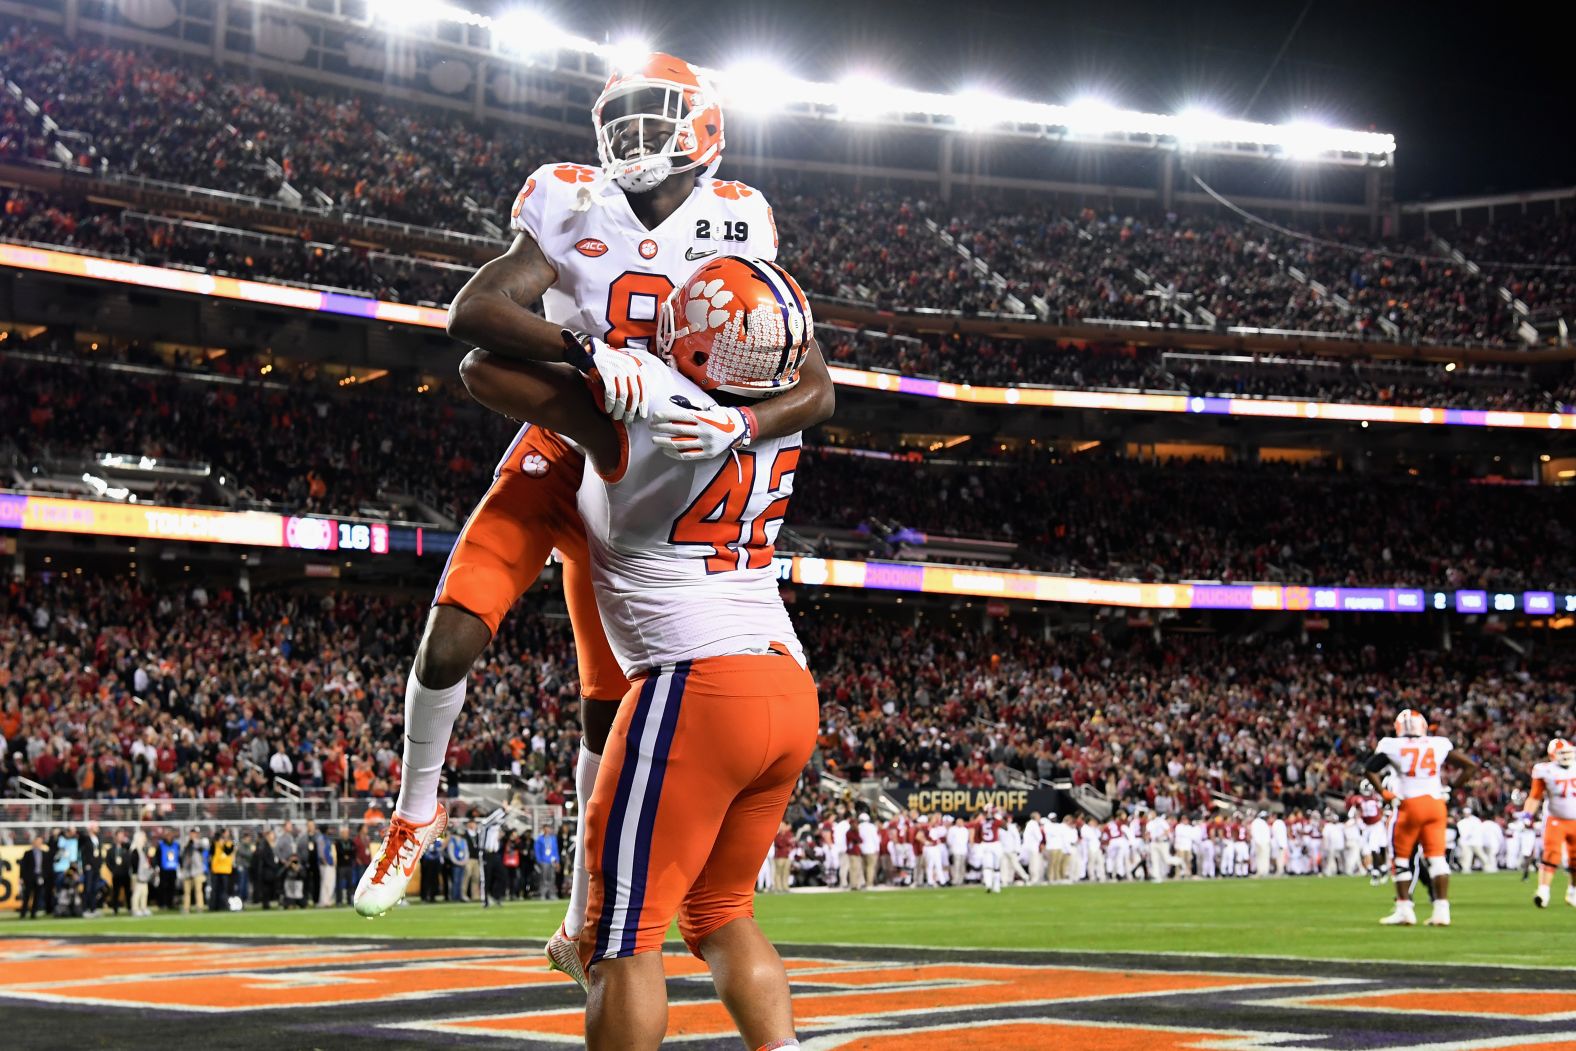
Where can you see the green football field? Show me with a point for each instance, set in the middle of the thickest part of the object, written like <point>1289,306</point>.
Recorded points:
<point>1334,919</point>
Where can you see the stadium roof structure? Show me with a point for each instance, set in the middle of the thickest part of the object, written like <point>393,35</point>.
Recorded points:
<point>526,38</point>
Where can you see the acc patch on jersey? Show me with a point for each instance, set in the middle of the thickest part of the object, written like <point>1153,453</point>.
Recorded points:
<point>591,246</point>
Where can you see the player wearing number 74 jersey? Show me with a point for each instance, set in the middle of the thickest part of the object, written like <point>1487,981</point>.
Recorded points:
<point>1418,761</point>
<point>722,714</point>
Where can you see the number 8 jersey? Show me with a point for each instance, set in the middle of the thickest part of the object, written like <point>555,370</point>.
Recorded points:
<point>613,273</point>
<point>681,551</point>
<point>1417,762</point>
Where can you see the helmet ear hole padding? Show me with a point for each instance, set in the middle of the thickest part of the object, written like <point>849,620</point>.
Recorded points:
<point>699,357</point>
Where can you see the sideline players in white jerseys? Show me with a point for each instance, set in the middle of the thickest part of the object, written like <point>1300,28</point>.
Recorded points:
<point>722,715</point>
<point>1554,781</point>
<point>1417,760</point>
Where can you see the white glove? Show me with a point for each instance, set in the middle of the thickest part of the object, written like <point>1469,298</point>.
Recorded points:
<point>685,432</point>
<point>627,374</point>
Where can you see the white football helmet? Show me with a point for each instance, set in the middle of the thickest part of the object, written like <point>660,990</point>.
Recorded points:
<point>1562,752</point>
<point>1410,723</point>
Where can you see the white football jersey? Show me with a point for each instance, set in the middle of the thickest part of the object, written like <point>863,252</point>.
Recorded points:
<point>1559,788</point>
<point>613,273</point>
<point>1418,763</point>
<point>681,551</point>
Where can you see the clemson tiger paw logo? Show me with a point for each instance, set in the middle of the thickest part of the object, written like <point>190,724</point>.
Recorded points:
<point>706,302</point>
<point>574,173</point>
<point>534,465</point>
<point>731,189</point>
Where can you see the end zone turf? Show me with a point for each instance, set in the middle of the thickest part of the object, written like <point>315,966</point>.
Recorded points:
<point>1326,919</point>
<point>148,995</point>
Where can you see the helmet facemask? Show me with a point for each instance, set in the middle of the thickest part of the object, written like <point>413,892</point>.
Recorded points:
<point>645,131</point>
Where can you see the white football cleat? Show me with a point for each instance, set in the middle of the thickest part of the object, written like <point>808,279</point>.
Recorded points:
<point>563,954</point>
<point>1403,916</point>
<point>1440,917</point>
<point>394,862</point>
<point>1570,896</point>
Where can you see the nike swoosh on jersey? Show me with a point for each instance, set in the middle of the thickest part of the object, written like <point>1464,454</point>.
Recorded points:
<point>692,255</point>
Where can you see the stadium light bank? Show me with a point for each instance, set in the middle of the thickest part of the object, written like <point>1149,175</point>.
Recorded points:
<point>759,86</point>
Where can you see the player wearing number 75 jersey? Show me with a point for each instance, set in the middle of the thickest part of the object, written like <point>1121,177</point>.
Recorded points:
<point>722,714</point>
<point>1417,760</point>
<point>1555,781</point>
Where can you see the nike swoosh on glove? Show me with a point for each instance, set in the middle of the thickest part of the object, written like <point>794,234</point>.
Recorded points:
<point>629,376</point>
<point>687,432</point>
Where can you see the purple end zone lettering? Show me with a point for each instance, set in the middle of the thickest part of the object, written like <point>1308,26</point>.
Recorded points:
<point>891,576</point>
<point>1365,599</point>
<point>1408,600</point>
<point>11,507</point>
<point>337,303</point>
<point>1467,417</point>
<point>1222,596</point>
<point>1471,601</point>
<point>1538,601</point>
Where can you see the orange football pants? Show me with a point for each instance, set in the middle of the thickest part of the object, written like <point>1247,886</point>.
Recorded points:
<point>693,786</point>
<point>527,512</point>
<point>1559,842</point>
<point>1420,819</point>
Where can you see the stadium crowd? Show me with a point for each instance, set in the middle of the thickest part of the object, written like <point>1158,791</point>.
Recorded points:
<point>298,445</point>
<point>111,688</point>
<point>1094,515</point>
<point>1105,516</point>
<point>412,164</point>
<point>105,230</point>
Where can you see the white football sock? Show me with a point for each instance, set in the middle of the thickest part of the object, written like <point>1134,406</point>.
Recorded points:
<point>580,880</point>
<point>429,721</point>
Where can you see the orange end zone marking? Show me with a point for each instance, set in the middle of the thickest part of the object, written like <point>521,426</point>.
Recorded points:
<point>1042,1034</point>
<point>1545,1005</point>
<point>914,989</point>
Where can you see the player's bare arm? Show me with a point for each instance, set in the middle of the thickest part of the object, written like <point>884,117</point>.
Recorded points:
<point>493,310</point>
<point>1469,768</point>
<point>551,395</point>
<point>809,403</point>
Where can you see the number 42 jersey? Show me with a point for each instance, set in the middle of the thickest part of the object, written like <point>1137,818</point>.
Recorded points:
<point>681,551</point>
<point>613,272</point>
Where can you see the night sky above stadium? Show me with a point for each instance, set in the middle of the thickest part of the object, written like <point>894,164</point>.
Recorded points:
<point>1475,106</point>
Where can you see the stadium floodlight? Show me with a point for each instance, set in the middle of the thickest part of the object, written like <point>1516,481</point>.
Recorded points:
<point>975,108</point>
<point>756,85</point>
<point>866,97</point>
<point>760,87</point>
<point>627,52</point>
<point>1303,139</point>
<point>1092,116</point>
<point>531,32</point>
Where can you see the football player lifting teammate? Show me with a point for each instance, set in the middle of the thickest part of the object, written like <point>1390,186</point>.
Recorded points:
<point>722,714</point>
<point>600,248</point>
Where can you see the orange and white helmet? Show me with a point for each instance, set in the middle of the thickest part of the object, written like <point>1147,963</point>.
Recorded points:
<point>1410,723</point>
<point>738,325</point>
<point>655,119</point>
<point>1562,752</point>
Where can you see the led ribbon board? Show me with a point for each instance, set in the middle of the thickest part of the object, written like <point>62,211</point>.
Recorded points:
<point>74,265</point>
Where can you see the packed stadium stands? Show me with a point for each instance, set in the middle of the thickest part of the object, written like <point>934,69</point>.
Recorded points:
<point>339,152</point>
<point>102,699</point>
